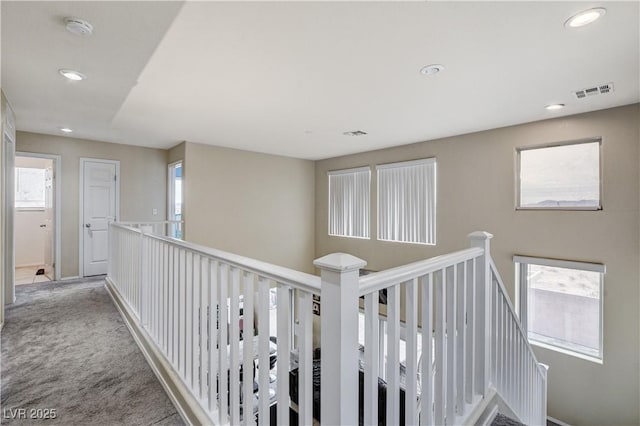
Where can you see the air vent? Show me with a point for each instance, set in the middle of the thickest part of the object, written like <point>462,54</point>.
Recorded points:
<point>355,133</point>
<point>596,90</point>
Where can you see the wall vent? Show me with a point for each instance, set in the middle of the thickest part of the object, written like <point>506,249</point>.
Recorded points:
<point>596,90</point>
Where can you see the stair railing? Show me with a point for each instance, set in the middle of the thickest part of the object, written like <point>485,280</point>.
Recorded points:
<point>462,340</point>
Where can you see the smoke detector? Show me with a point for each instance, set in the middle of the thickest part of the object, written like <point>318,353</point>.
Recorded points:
<point>78,26</point>
<point>595,90</point>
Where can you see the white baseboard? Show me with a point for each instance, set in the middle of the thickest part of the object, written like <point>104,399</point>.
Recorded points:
<point>70,278</point>
<point>29,265</point>
<point>558,422</point>
<point>182,399</point>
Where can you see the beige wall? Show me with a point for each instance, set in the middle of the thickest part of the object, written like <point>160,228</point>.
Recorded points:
<point>476,179</point>
<point>143,177</point>
<point>255,205</point>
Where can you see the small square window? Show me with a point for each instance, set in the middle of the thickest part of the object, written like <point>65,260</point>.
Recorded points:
<point>565,177</point>
<point>561,304</point>
<point>30,185</point>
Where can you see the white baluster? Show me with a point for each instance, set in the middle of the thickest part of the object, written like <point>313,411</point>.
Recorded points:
<point>411,318</point>
<point>247,337</point>
<point>371,358</point>
<point>305,358</point>
<point>393,356</point>
<point>263,350</point>
<point>284,353</point>
<point>441,366</point>
<point>461,349</point>
<point>452,352</point>
<point>234,347</point>
<point>426,412</point>
<point>223,341</point>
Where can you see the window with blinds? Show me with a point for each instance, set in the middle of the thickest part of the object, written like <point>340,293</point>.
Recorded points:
<point>349,195</point>
<point>407,201</point>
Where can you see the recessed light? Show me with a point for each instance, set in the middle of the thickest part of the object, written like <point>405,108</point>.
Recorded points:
<point>72,74</point>
<point>355,133</point>
<point>66,130</point>
<point>554,107</point>
<point>78,26</point>
<point>432,69</point>
<point>585,17</point>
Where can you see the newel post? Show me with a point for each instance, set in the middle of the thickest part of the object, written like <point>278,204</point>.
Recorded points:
<point>483,308</point>
<point>339,338</point>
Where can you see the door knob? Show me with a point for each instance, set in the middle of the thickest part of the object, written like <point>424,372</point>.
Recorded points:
<point>87,225</point>
<point>43,226</point>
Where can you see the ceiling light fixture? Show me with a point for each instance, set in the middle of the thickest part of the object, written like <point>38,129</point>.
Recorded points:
<point>66,130</point>
<point>78,26</point>
<point>72,74</point>
<point>355,133</point>
<point>585,17</point>
<point>432,69</point>
<point>554,107</point>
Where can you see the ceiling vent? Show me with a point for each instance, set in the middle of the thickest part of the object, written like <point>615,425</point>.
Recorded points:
<point>602,89</point>
<point>355,133</point>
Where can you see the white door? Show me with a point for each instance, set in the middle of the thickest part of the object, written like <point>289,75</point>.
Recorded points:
<point>49,223</point>
<point>99,207</point>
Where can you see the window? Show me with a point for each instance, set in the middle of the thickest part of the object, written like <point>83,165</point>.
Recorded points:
<point>563,176</point>
<point>349,195</point>
<point>561,304</point>
<point>30,184</point>
<point>407,202</point>
<point>175,199</point>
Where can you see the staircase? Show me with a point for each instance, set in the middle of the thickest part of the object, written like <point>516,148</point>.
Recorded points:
<point>454,354</point>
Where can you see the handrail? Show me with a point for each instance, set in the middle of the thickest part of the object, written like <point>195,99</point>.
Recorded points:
<point>523,334</point>
<point>290,277</point>
<point>380,280</point>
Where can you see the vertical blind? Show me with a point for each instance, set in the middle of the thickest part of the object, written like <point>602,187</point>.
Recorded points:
<point>349,202</point>
<point>407,201</point>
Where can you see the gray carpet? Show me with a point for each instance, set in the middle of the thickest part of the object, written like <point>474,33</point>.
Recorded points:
<point>65,347</point>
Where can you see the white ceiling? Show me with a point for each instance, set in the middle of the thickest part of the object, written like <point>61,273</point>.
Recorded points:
<point>289,78</point>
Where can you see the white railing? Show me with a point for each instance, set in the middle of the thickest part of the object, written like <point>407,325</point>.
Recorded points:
<point>167,228</point>
<point>462,340</point>
<point>442,294</point>
<point>181,294</point>
<point>516,374</point>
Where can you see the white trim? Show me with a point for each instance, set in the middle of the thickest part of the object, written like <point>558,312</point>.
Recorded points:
<point>348,171</point>
<point>557,263</point>
<point>57,238</point>
<point>84,160</point>
<point>558,422</point>
<point>521,267</point>
<point>518,188</point>
<point>566,351</point>
<point>430,160</point>
<point>76,277</point>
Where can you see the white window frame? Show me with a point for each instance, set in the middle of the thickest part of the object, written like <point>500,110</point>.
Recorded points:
<point>433,202</point>
<point>553,145</point>
<point>366,207</point>
<point>172,228</point>
<point>521,263</point>
<point>17,180</point>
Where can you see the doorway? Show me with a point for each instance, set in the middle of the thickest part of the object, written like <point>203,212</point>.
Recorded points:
<point>174,199</point>
<point>99,205</point>
<point>37,218</point>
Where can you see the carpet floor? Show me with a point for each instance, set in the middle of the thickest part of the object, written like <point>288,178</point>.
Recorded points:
<point>65,347</point>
